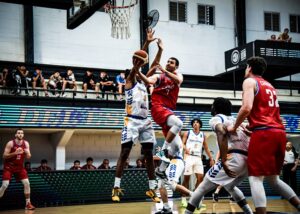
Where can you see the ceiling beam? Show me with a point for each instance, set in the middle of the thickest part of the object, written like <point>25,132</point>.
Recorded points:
<point>57,4</point>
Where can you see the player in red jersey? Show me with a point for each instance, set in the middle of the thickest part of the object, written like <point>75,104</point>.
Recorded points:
<point>14,154</point>
<point>268,139</point>
<point>164,98</point>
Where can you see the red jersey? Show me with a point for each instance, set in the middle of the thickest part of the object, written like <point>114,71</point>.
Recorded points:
<point>16,162</point>
<point>265,111</point>
<point>165,93</point>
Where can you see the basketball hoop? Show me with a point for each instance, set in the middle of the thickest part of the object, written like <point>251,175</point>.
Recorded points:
<point>120,16</point>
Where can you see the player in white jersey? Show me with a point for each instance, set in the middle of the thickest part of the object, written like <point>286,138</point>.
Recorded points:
<point>137,127</point>
<point>232,169</point>
<point>193,143</point>
<point>172,175</point>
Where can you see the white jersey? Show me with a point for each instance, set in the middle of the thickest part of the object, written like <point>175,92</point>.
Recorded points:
<point>194,143</point>
<point>137,104</point>
<point>235,141</point>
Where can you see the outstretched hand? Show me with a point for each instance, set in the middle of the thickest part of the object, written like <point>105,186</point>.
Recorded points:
<point>150,35</point>
<point>160,44</point>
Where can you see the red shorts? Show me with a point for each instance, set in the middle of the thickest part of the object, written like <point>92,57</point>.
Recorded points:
<point>19,174</point>
<point>160,115</point>
<point>266,152</point>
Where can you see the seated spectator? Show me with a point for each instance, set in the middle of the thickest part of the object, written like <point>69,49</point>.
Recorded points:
<point>272,38</point>
<point>127,165</point>
<point>89,164</point>
<point>21,75</point>
<point>89,82</point>
<point>55,83</point>
<point>28,166</point>
<point>120,80</point>
<point>76,165</point>
<point>69,81</point>
<point>140,163</point>
<point>105,83</point>
<point>104,165</point>
<point>3,77</point>
<point>44,166</point>
<point>38,80</point>
<point>285,36</point>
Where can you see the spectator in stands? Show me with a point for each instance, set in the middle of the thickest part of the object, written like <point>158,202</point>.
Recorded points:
<point>28,166</point>
<point>38,80</point>
<point>76,165</point>
<point>3,77</point>
<point>89,164</point>
<point>104,165</point>
<point>140,163</point>
<point>105,83</point>
<point>55,83</point>
<point>89,82</point>
<point>290,166</point>
<point>22,79</point>
<point>69,81</point>
<point>44,166</point>
<point>285,36</point>
<point>120,80</point>
<point>127,165</point>
<point>272,38</point>
<point>8,79</point>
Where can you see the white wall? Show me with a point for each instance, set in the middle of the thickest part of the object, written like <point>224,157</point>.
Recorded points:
<point>11,32</point>
<point>255,17</point>
<point>199,48</point>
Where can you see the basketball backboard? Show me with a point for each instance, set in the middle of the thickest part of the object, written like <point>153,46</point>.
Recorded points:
<point>82,10</point>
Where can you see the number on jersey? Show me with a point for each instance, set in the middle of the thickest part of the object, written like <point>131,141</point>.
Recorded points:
<point>273,98</point>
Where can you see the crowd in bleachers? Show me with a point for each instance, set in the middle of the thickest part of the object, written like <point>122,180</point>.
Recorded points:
<point>283,37</point>
<point>21,78</point>
<point>140,163</point>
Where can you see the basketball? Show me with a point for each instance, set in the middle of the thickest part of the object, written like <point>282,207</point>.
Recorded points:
<point>141,54</point>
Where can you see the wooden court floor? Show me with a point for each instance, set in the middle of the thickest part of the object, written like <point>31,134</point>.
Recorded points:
<point>223,206</point>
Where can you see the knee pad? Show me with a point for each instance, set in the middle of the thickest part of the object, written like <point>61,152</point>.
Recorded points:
<point>5,184</point>
<point>175,123</point>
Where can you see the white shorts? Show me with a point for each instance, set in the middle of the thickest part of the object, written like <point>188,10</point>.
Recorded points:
<point>193,164</point>
<point>175,170</point>
<point>236,162</point>
<point>138,130</point>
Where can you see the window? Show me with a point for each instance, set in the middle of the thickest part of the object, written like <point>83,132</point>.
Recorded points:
<point>272,21</point>
<point>295,23</point>
<point>206,14</point>
<point>178,11</point>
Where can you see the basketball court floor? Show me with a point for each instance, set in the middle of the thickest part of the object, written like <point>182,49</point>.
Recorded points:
<point>223,206</point>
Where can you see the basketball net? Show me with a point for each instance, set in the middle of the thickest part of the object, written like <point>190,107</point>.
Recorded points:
<point>120,17</point>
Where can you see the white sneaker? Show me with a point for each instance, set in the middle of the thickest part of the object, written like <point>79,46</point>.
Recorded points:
<point>161,155</point>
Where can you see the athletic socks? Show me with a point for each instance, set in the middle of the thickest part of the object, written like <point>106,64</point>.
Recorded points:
<point>117,182</point>
<point>152,184</point>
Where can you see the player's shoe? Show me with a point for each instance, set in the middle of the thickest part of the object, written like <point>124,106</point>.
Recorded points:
<point>162,155</point>
<point>164,211</point>
<point>231,200</point>
<point>29,206</point>
<point>152,194</point>
<point>160,174</point>
<point>116,192</point>
<point>215,197</point>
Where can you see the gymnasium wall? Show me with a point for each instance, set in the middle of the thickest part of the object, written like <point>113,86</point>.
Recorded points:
<point>200,48</point>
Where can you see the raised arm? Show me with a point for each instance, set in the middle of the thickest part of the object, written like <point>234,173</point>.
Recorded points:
<point>148,80</point>
<point>178,78</point>
<point>157,58</point>
<point>150,38</point>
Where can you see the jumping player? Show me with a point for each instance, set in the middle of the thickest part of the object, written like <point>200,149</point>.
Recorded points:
<point>14,155</point>
<point>268,139</point>
<point>137,127</point>
<point>231,170</point>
